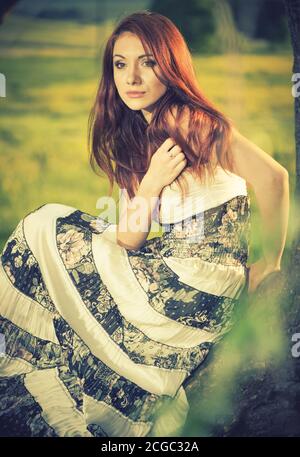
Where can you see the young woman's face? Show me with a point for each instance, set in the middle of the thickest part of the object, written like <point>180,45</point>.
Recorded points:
<point>133,71</point>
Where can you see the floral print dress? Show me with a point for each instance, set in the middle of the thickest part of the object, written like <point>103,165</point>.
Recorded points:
<point>96,339</point>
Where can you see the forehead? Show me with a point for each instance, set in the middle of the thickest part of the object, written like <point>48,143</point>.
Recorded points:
<point>128,45</point>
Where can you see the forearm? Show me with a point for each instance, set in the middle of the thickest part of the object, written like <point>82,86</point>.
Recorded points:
<point>273,203</point>
<point>135,221</point>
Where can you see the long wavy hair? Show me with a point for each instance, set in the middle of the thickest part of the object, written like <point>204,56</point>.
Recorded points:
<point>120,140</point>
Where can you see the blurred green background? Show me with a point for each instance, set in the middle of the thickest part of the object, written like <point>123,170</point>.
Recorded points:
<point>51,58</point>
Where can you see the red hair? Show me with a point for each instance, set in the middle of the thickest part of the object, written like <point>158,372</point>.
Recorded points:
<point>120,140</point>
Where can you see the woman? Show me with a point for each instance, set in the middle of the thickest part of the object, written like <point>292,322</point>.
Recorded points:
<point>101,325</point>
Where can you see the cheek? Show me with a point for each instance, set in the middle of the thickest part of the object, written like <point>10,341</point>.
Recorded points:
<point>119,84</point>
<point>116,80</point>
<point>157,86</point>
<point>161,89</point>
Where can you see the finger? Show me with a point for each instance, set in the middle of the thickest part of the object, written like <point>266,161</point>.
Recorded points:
<point>180,155</point>
<point>179,166</point>
<point>175,150</point>
<point>178,159</point>
<point>168,143</point>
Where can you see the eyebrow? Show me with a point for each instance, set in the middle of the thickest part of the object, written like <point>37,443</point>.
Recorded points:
<point>143,55</point>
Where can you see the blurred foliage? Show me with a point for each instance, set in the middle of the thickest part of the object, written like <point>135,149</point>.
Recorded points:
<point>89,11</point>
<point>195,20</point>
<point>216,26</point>
<point>261,19</point>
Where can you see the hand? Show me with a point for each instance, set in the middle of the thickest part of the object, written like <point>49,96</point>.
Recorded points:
<point>258,271</point>
<point>163,169</point>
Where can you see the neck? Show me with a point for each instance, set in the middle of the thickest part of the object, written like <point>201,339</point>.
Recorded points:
<point>147,115</point>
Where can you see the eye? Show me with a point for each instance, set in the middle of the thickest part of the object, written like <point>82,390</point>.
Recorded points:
<point>118,63</point>
<point>151,62</point>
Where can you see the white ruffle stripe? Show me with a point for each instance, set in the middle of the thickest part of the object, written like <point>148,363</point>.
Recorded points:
<point>212,278</point>
<point>133,301</point>
<point>200,196</point>
<point>40,232</point>
<point>24,311</point>
<point>12,366</point>
<point>168,422</point>
<point>58,407</point>
<point>113,422</point>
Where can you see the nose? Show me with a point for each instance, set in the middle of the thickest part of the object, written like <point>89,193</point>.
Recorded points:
<point>133,75</point>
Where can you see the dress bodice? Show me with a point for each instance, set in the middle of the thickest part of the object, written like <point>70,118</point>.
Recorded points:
<point>200,196</point>
<point>212,225</point>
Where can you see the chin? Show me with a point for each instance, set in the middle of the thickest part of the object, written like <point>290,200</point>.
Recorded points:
<point>136,105</point>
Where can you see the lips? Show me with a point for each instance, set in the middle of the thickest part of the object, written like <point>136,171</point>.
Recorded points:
<point>135,93</point>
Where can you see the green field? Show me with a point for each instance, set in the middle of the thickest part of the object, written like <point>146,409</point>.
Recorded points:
<point>52,69</point>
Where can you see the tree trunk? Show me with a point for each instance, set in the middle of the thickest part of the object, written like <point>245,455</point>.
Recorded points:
<point>293,13</point>
<point>5,7</point>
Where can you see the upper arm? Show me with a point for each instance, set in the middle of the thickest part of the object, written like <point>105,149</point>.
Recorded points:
<point>124,201</point>
<point>252,163</point>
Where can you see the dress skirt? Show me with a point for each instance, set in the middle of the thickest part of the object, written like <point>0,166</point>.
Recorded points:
<point>96,339</point>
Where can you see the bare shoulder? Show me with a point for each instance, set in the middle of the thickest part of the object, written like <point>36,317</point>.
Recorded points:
<point>251,162</point>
